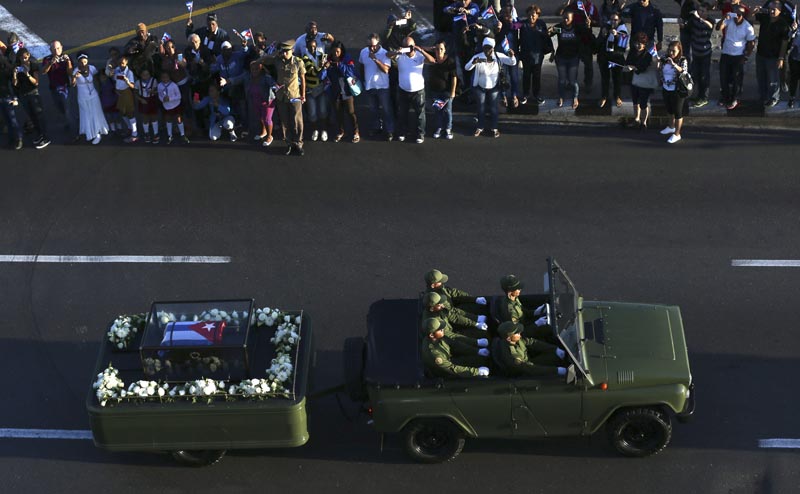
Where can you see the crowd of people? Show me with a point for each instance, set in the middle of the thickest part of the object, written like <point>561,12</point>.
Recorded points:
<point>220,85</point>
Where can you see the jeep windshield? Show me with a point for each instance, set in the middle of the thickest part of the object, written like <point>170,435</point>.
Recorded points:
<point>566,313</point>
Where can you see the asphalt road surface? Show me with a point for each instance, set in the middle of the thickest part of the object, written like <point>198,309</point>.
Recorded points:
<point>628,217</point>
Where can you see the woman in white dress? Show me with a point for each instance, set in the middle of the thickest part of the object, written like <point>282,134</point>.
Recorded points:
<point>93,122</point>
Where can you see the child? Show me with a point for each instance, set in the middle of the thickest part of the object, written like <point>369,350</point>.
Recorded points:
<point>124,84</point>
<point>108,99</point>
<point>170,95</point>
<point>148,104</point>
<point>262,102</point>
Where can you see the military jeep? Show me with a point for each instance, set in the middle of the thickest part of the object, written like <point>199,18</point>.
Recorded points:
<point>631,363</point>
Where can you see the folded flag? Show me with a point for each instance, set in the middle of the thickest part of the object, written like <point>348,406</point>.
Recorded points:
<point>189,6</point>
<point>488,13</point>
<point>439,104</point>
<point>201,333</point>
<point>166,38</point>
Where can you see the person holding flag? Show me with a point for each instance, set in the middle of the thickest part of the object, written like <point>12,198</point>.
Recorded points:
<point>645,79</point>
<point>8,101</point>
<point>211,35</point>
<point>611,46</point>
<point>485,82</point>
<point>534,44</point>
<point>570,39</point>
<point>585,16</point>
<point>646,18</point>
<point>508,39</point>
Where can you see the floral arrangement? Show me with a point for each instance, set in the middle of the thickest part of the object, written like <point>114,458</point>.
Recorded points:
<point>253,388</point>
<point>215,315</point>
<point>109,386</point>
<point>147,389</point>
<point>200,388</point>
<point>124,329</point>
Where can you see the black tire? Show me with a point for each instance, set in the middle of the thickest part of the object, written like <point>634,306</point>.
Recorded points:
<point>198,458</point>
<point>432,440</point>
<point>639,432</point>
<point>353,356</point>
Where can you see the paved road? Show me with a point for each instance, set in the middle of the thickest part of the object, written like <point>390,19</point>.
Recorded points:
<point>628,217</point>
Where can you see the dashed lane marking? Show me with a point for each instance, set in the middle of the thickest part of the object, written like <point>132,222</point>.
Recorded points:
<point>779,443</point>
<point>44,434</point>
<point>118,259</point>
<point>10,24</point>
<point>765,263</point>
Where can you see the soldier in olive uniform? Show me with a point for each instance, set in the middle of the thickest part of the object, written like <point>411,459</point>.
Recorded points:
<point>291,94</point>
<point>436,306</point>
<point>460,300</point>
<point>518,356</point>
<point>536,322</point>
<point>445,357</point>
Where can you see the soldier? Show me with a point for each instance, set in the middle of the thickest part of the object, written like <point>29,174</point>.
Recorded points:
<point>518,356</point>
<point>436,306</point>
<point>445,357</point>
<point>291,79</point>
<point>536,322</point>
<point>435,282</point>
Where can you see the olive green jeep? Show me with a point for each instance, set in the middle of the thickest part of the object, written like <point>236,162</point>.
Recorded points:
<point>631,363</point>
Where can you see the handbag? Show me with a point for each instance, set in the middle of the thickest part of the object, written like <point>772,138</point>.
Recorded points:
<point>355,86</point>
<point>684,84</point>
<point>647,79</point>
<point>502,80</point>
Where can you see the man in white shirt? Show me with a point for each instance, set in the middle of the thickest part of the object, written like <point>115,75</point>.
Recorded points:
<point>410,61</point>
<point>485,82</point>
<point>739,39</point>
<point>375,61</point>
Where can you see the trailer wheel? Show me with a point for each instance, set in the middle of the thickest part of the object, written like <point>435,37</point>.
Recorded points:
<point>353,357</point>
<point>433,440</point>
<point>639,432</point>
<point>198,458</point>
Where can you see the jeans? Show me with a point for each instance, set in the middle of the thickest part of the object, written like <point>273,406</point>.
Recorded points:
<point>416,102</point>
<point>10,116</point>
<point>531,79</point>
<point>380,104</point>
<point>567,76</point>
<point>587,58</point>
<point>443,118</point>
<point>487,100</point>
<point>512,75</point>
<point>33,107</point>
<point>59,100</point>
<point>317,108</point>
<point>701,73</point>
<point>731,68</point>
<point>769,87</point>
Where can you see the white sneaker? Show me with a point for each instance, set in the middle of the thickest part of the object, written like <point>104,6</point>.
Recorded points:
<point>96,140</point>
<point>437,134</point>
<point>448,134</point>
<point>233,136</point>
<point>674,138</point>
<point>323,136</point>
<point>667,130</point>
<point>315,135</point>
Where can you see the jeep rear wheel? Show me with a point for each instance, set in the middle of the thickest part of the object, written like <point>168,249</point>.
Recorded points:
<point>432,440</point>
<point>198,458</point>
<point>639,432</point>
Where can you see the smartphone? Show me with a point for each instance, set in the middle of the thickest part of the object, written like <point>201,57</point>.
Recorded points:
<point>404,50</point>
<point>120,77</point>
<point>180,57</point>
<point>557,30</point>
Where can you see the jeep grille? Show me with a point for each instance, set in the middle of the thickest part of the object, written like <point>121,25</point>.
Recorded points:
<point>624,377</point>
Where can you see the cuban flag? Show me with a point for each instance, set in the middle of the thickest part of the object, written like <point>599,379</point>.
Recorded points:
<point>189,6</point>
<point>166,38</point>
<point>202,333</point>
<point>581,6</point>
<point>622,42</point>
<point>248,34</point>
<point>439,104</point>
<point>462,17</point>
<point>504,45</point>
<point>488,13</point>
<point>653,51</point>
<point>17,46</point>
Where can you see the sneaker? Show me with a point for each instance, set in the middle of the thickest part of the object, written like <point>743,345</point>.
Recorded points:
<point>289,150</point>
<point>38,140</point>
<point>18,145</point>
<point>147,138</point>
<point>131,139</point>
<point>733,105</point>
<point>267,142</point>
<point>401,138</point>
<point>420,140</point>
<point>169,140</point>
<point>356,138</point>
<point>233,136</point>
<point>673,138</point>
<point>339,137</point>
<point>540,101</point>
<point>790,103</point>
<point>156,139</point>
<point>323,136</point>
<point>667,130</point>
<point>259,137</point>
<point>389,137</point>
<point>771,103</point>
<point>448,134</point>
<point>185,139</point>
<point>315,135</point>
<point>523,101</point>
<point>43,143</point>
<point>477,132</point>
<point>437,134</point>
<point>699,103</point>
<point>299,151</point>
<point>96,140</point>
<point>495,133</point>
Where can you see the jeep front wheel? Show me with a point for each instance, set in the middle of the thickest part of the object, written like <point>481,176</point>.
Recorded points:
<point>639,432</point>
<point>432,440</point>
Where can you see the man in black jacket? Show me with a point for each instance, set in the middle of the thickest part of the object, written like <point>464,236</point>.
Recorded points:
<point>211,35</point>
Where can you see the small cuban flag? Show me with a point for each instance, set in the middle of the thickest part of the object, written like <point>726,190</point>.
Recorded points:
<point>439,104</point>
<point>17,46</point>
<point>462,17</point>
<point>202,333</point>
<point>504,45</point>
<point>189,6</point>
<point>271,48</point>
<point>653,51</point>
<point>248,34</point>
<point>166,38</point>
<point>581,6</point>
<point>622,42</point>
<point>488,13</point>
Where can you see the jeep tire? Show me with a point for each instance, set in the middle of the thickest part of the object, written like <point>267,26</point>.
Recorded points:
<point>432,440</point>
<point>639,432</point>
<point>353,359</point>
<point>198,458</point>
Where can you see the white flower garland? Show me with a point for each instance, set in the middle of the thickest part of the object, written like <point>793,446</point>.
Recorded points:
<point>215,315</point>
<point>200,388</point>
<point>123,330</point>
<point>109,386</point>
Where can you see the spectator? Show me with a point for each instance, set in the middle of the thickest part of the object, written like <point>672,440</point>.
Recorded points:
<point>672,66</point>
<point>442,83</point>
<point>211,35</point>
<point>645,79</point>
<point>312,32</point>
<point>108,100</point>
<point>534,44</point>
<point>342,74</point>
<point>93,124</point>
<point>261,96</point>
<point>229,68</point>
<point>260,45</point>
<point>170,96</point>
<point>411,95</point>
<point>773,43</point>
<point>789,14</point>
<point>314,61</point>
<point>398,29</point>
<point>220,117</point>
<point>794,67</point>
<point>58,67</point>
<point>375,62</point>
<point>8,102</point>
<point>26,82</point>
<point>584,15</point>
<point>730,7</point>
<point>199,60</point>
<point>174,64</point>
<point>485,82</point>
<point>141,49</point>
<point>146,89</point>
<point>646,19</point>
<point>465,14</point>
<point>124,81</point>
<point>291,94</point>
<point>612,44</point>
<point>688,8</point>
<point>700,28</point>
<point>610,7</point>
<point>570,38</point>
<point>112,62</point>
<point>738,41</point>
<point>508,39</point>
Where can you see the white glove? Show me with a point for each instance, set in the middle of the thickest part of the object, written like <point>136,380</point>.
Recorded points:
<point>542,321</point>
<point>483,352</point>
<point>482,326</point>
<point>480,301</point>
<point>483,343</point>
<point>481,318</point>
<point>483,371</point>
<point>562,371</point>
<point>561,353</point>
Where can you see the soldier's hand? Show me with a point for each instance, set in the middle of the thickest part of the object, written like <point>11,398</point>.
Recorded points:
<point>483,371</point>
<point>483,343</point>
<point>483,352</point>
<point>482,326</point>
<point>480,300</point>
<point>481,318</point>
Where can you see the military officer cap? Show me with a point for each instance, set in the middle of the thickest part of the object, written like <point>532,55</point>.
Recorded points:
<point>287,45</point>
<point>430,299</point>
<point>509,283</point>
<point>508,328</point>
<point>435,276</point>
<point>433,324</point>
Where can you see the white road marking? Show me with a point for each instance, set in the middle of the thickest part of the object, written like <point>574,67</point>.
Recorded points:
<point>36,45</point>
<point>118,259</point>
<point>426,26</point>
<point>779,443</point>
<point>766,263</point>
<point>44,434</point>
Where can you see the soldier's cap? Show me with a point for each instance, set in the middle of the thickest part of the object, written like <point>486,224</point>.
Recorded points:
<point>435,276</point>
<point>509,283</point>
<point>430,299</point>
<point>433,324</point>
<point>287,45</point>
<point>508,328</point>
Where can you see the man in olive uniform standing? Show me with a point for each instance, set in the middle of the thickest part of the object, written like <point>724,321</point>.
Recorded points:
<point>436,306</point>
<point>291,95</point>
<point>518,356</point>
<point>444,357</point>
<point>536,322</point>
<point>460,300</point>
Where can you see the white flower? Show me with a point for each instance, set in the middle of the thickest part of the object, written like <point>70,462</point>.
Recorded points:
<point>161,392</point>
<point>262,317</point>
<point>287,318</point>
<point>183,317</point>
<point>193,389</point>
<point>298,320</point>
<point>164,319</point>
<point>215,312</point>
<point>209,390</point>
